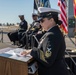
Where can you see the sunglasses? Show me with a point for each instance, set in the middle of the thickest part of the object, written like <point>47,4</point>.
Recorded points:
<point>42,20</point>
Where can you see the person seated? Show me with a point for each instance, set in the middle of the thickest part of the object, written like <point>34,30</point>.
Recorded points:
<point>16,35</point>
<point>34,28</point>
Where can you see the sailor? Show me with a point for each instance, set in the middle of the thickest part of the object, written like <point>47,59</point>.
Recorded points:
<point>50,52</point>
<point>16,35</point>
<point>23,26</point>
<point>34,28</point>
<point>34,18</point>
<point>35,24</point>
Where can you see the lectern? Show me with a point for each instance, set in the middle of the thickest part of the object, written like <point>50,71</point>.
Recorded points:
<point>12,64</point>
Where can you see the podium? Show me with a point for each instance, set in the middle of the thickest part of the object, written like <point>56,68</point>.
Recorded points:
<point>13,64</point>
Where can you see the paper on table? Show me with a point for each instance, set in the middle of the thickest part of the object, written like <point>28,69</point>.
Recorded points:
<point>5,49</point>
<point>11,52</point>
<point>21,58</point>
<point>16,51</point>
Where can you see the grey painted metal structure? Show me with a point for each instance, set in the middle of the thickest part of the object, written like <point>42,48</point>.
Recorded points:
<point>70,14</point>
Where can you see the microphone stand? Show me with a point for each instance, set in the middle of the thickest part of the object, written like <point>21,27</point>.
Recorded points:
<point>36,39</point>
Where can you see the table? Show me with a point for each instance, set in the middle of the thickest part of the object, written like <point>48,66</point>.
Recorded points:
<point>13,65</point>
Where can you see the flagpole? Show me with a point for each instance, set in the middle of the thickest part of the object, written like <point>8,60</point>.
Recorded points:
<point>49,4</point>
<point>33,10</point>
<point>33,7</point>
<point>36,4</point>
<point>75,32</point>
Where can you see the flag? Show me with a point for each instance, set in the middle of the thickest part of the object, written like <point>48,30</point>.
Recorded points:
<point>63,16</point>
<point>74,4</point>
<point>41,3</point>
<point>44,3</point>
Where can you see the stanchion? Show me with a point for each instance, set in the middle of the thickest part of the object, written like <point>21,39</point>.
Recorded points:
<point>1,40</point>
<point>72,61</point>
<point>70,57</point>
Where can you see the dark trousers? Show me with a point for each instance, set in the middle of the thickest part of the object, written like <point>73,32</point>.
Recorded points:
<point>13,36</point>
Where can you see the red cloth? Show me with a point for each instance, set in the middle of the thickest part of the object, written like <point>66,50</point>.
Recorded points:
<point>63,15</point>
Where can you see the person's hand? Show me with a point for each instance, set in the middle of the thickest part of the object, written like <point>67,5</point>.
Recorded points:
<point>25,52</point>
<point>39,32</point>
